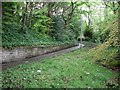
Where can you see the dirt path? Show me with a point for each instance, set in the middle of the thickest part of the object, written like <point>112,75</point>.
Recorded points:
<point>37,58</point>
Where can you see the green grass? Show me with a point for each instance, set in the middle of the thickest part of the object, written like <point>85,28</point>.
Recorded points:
<point>70,70</point>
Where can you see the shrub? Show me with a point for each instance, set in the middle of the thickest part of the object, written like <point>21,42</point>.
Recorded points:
<point>88,33</point>
<point>59,33</point>
<point>108,52</point>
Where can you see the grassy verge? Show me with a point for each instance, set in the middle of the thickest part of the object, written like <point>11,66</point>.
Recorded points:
<point>71,70</point>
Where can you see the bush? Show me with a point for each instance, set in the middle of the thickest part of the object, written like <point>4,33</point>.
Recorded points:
<point>104,55</point>
<point>108,52</point>
<point>59,33</point>
<point>58,28</point>
<point>15,38</point>
<point>104,35</point>
<point>88,33</point>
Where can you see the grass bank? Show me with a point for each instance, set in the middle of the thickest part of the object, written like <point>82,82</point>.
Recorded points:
<point>70,70</point>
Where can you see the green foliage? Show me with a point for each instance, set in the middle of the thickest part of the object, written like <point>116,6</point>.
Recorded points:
<point>42,31</point>
<point>108,52</point>
<point>108,25</point>
<point>71,70</point>
<point>60,33</point>
<point>75,26</point>
<point>48,19</point>
<point>88,33</point>
<point>42,22</point>
<point>105,54</point>
<point>61,27</point>
<point>31,38</point>
<point>96,37</point>
<point>58,28</point>
<point>104,35</point>
<point>113,39</point>
<point>8,21</point>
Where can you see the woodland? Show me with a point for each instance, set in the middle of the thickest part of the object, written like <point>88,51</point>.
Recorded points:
<point>58,23</point>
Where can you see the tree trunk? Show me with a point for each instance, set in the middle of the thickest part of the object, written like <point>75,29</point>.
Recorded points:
<point>65,24</point>
<point>30,16</point>
<point>89,21</point>
<point>119,18</point>
<point>24,19</point>
<point>119,9</point>
<point>69,16</point>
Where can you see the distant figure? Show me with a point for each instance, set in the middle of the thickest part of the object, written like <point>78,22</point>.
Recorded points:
<point>80,42</point>
<point>81,45</point>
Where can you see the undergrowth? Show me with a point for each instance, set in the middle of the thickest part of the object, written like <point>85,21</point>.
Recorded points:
<point>108,53</point>
<point>12,39</point>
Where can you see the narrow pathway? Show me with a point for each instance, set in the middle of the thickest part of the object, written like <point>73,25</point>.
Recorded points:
<point>37,58</point>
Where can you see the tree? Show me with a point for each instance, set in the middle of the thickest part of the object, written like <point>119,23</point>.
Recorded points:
<point>68,11</point>
<point>30,15</point>
<point>114,6</point>
<point>8,11</point>
<point>24,17</point>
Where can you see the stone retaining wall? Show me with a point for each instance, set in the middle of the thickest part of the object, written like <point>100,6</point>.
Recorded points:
<point>19,53</point>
